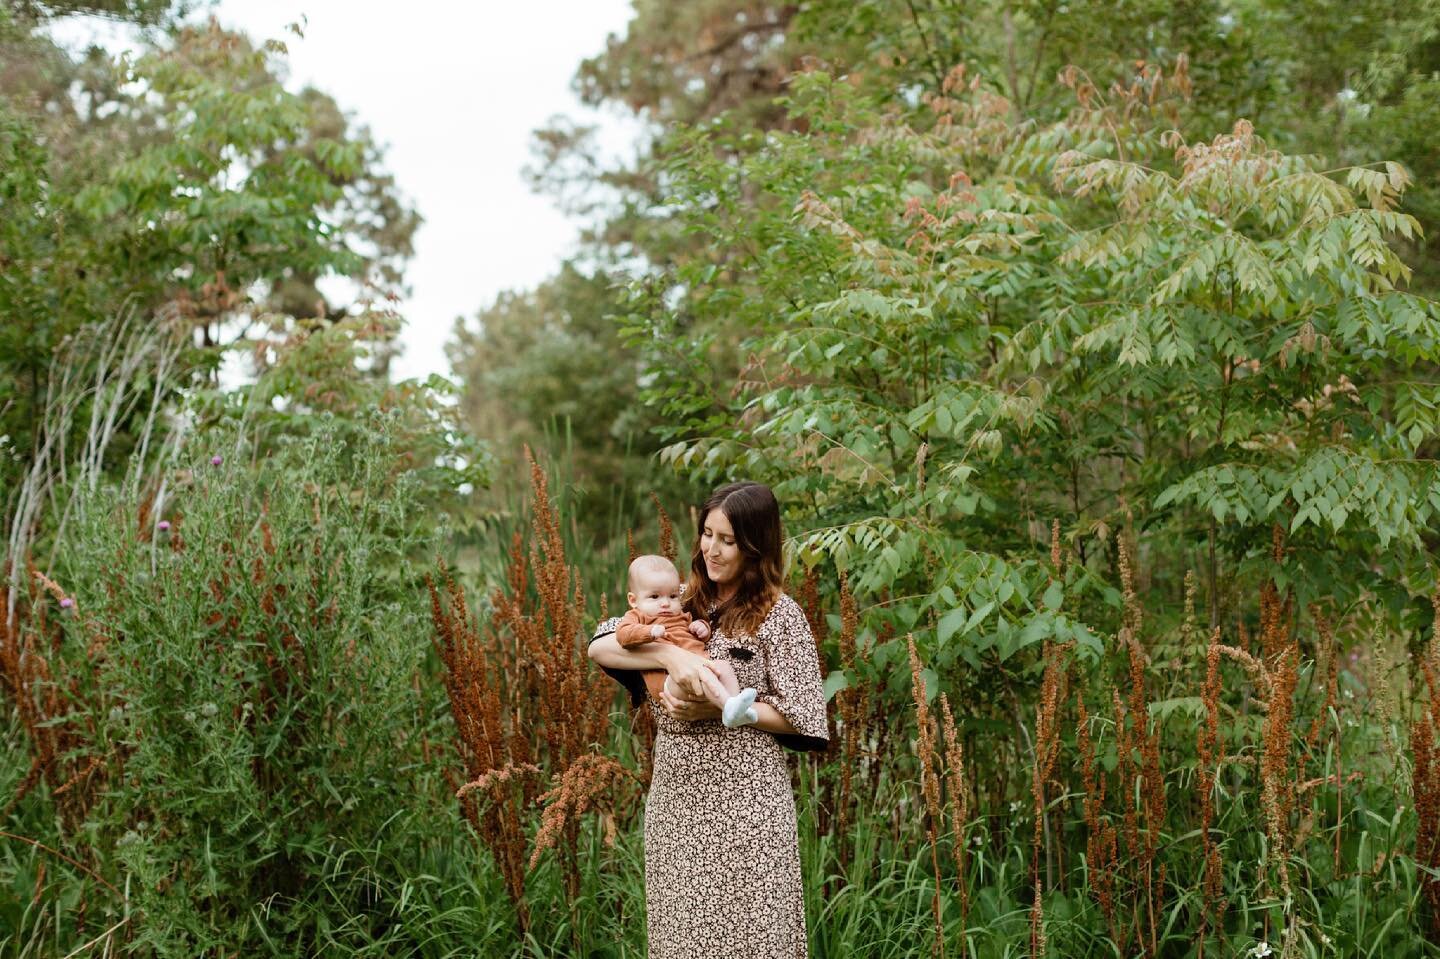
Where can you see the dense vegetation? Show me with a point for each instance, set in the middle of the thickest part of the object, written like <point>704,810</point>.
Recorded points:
<point>1092,350</point>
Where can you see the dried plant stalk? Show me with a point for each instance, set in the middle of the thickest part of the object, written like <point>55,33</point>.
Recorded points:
<point>929,786</point>
<point>1047,748</point>
<point>1100,838</point>
<point>527,704</point>
<point>1425,773</point>
<point>852,704</point>
<point>667,531</point>
<point>1210,750</point>
<point>959,804</point>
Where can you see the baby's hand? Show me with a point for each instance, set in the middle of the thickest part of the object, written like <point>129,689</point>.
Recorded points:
<point>700,630</point>
<point>657,631</point>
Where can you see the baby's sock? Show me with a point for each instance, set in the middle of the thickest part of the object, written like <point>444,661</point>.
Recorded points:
<point>738,709</point>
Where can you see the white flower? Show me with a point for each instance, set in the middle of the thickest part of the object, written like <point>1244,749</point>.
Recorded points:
<point>1261,949</point>
<point>209,709</point>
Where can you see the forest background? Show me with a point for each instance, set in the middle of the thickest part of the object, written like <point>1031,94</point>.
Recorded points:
<point>1092,349</point>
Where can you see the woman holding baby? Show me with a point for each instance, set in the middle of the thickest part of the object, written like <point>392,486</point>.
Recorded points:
<point>722,859</point>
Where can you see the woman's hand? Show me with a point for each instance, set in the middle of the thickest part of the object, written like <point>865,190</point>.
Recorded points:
<point>687,670</point>
<point>688,709</point>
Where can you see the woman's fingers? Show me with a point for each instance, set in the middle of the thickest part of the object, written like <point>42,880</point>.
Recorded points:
<point>675,707</point>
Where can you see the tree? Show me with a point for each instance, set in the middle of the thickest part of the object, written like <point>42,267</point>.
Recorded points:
<point>189,179</point>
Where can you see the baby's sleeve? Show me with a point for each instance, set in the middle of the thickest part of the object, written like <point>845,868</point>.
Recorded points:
<point>630,632</point>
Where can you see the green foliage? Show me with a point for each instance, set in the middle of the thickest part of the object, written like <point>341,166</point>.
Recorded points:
<point>959,327</point>
<point>180,185</point>
<point>254,682</point>
<point>540,369</point>
<point>1203,344</point>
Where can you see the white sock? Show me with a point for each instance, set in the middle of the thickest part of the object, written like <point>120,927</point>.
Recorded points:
<point>738,709</point>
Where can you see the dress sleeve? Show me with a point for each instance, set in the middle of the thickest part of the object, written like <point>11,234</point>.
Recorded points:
<point>631,679</point>
<point>793,668</point>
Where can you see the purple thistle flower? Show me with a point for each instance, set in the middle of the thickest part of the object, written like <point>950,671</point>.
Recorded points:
<point>163,525</point>
<point>216,460</point>
<point>66,603</point>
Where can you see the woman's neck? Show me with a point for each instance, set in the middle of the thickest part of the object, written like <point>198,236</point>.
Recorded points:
<point>724,592</point>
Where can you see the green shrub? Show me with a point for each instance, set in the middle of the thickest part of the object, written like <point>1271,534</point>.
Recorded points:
<point>256,666</point>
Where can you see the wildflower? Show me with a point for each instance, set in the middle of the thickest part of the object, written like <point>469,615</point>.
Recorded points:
<point>1261,949</point>
<point>216,460</point>
<point>209,709</point>
<point>116,714</point>
<point>129,839</point>
<point>66,603</point>
<point>189,715</point>
<point>163,525</point>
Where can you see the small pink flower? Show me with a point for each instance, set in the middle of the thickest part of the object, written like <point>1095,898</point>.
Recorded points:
<point>216,460</point>
<point>66,603</point>
<point>163,525</point>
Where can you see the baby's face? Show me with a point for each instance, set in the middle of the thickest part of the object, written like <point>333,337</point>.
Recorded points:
<point>656,592</point>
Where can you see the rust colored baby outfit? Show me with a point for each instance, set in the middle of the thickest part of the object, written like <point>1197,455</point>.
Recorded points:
<point>634,629</point>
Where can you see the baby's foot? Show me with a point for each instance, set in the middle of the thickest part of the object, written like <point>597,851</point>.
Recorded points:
<point>738,709</point>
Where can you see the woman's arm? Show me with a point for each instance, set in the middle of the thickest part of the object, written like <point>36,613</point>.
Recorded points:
<point>771,719</point>
<point>683,666</point>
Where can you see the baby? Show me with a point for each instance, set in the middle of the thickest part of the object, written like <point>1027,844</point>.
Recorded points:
<point>655,616</point>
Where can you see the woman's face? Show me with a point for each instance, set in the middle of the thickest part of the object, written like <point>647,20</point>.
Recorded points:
<point>723,561</point>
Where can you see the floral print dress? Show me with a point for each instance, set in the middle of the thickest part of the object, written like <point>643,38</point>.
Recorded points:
<point>722,858</point>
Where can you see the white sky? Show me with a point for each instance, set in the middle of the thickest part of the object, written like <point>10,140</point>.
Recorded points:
<point>455,90</point>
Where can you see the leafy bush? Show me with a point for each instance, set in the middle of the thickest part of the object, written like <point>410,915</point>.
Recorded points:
<point>244,652</point>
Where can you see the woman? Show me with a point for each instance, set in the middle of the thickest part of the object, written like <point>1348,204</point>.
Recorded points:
<point>722,858</point>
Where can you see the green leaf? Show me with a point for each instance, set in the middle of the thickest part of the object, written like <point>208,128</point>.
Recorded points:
<point>951,623</point>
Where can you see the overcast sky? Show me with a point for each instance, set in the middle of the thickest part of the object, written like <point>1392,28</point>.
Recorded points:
<point>455,90</point>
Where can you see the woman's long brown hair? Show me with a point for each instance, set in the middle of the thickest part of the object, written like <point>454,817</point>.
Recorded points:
<point>755,517</point>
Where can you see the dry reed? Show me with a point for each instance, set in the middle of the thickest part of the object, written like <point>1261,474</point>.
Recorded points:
<point>55,712</point>
<point>957,788</point>
<point>852,705</point>
<point>667,531</point>
<point>1101,836</point>
<point>1425,774</point>
<point>1210,753</point>
<point>929,786</point>
<point>1047,747</point>
<point>526,702</point>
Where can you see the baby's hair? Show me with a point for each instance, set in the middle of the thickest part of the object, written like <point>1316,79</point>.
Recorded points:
<point>658,564</point>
